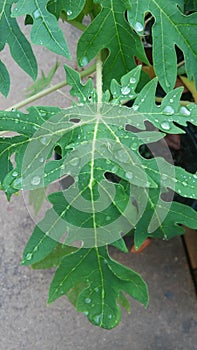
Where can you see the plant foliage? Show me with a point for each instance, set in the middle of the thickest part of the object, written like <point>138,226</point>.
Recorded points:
<point>115,189</point>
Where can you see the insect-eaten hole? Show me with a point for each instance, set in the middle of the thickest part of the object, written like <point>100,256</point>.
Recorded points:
<point>75,120</point>
<point>111,177</point>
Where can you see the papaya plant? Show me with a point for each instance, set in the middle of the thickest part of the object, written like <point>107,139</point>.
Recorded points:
<point>98,141</point>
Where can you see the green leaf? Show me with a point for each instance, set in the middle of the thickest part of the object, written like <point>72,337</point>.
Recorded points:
<point>182,33</point>
<point>85,93</point>
<point>4,79</point>
<point>41,83</point>
<point>45,30</point>
<point>168,113</point>
<point>20,48</point>
<point>71,8</point>
<point>121,41</point>
<point>104,279</point>
<point>165,217</point>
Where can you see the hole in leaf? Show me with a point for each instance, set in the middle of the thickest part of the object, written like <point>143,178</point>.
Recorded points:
<point>112,177</point>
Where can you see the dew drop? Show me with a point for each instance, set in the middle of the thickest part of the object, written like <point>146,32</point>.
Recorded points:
<point>165,125</point>
<point>14,174</point>
<point>36,14</point>
<point>122,156</point>
<point>28,256</point>
<point>184,111</point>
<point>84,61</point>
<point>87,300</point>
<point>132,80</point>
<point>110,316</point>
<point>168,110</point>
<point>41,159</point>
<point>86,313</point>
<point>97,319</point>
<point>35,127</point>
<point>36,180</point>
<point>171,100</point>
<point>17,181</point>
<point>164,177</point>
<point>129,175</point>
<point>184,183</point>
<point>44,140</point>
<point>195,176</point>
<point>135,107</point>
<point>74,161</point>
<point>108,218</point>
<point>96,289</point>
<point>69,12</point>
<point>138,27</point>
<point>125,90</point>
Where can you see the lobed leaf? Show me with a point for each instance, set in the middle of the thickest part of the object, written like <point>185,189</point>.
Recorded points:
<point>169,18</point>
<point>104,280</point>
<point>20,48</point>
<point>121,41</point>
<point>45,30</point>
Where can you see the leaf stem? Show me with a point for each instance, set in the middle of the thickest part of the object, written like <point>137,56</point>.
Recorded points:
<point>99,80</point>
<point>48,91</point>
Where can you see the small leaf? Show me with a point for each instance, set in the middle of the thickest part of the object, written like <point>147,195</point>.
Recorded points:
<point>41,83</point>
<point>45,30</point>
<point>85,93</point>
<point>20,48</point>
<point>4,79</point>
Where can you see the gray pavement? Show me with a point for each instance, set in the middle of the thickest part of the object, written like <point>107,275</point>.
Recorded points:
<point>26,322</point>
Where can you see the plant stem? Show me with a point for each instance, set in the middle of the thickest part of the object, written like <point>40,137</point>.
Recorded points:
<point>99,80</point>
<point>48,91</point>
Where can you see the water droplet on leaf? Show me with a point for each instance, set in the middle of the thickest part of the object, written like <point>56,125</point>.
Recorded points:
<point>132,80</point>
<point>184,111</point>
<point>168,110</point>
<point>165,125</point>
<point>125,90</point>
<point>41,159</point>
<point>36,14</point>
<point>69,12</point>
<point>129,175</point>
<point>14,174</point>
<point>28,256</point>
<point>138,27</point>
<point>97,319</point>
<point>74,161</point>
<point>36,180</point>
<point>135,107</point>
<point>87,300</point>
<point>84,61</point>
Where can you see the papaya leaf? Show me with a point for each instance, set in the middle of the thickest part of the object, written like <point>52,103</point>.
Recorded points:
<point>20,48</point>
<point>176,214</point>
<point>182,33</point>
<point>41,83</point>
<point>121,41</point>
<point>45,30</point>
<point>104,278</point>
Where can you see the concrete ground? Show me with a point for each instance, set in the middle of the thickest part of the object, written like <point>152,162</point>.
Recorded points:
<point>26,322</point>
